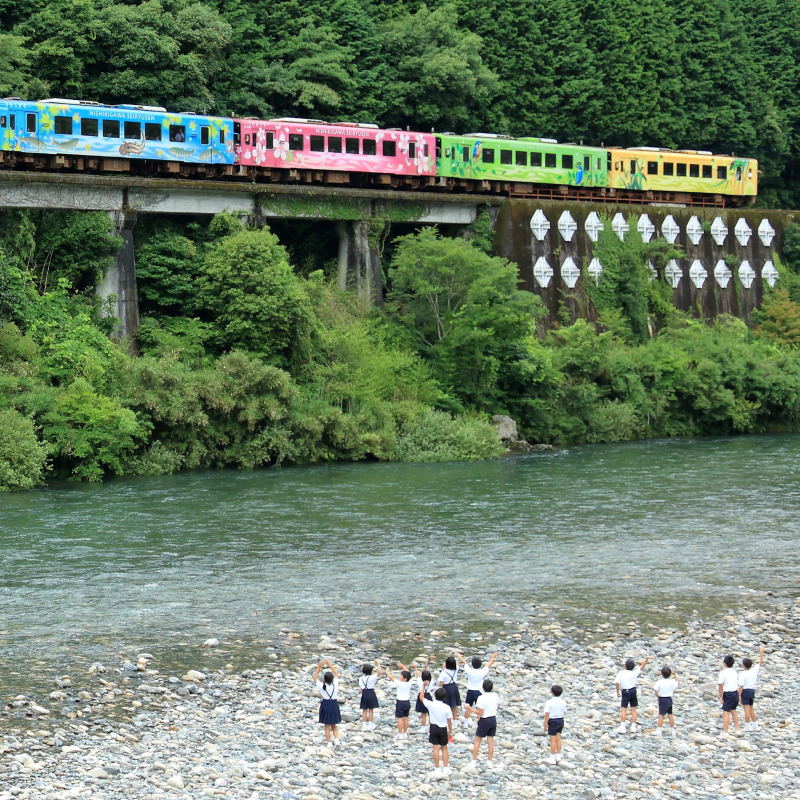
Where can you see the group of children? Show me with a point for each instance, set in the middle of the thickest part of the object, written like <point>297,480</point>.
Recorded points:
<point>438,708</point>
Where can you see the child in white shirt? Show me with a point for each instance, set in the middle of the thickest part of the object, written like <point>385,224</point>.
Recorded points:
<point>486,710</point>
<point>664,689</point>
<point>554,710</point>
<point>369,700</point>
<point>476,674</point>
<point>747,690</point>
<point>729,694</point>
<point>402,707</point>
<point>626,691</point>
<point>441,716</point>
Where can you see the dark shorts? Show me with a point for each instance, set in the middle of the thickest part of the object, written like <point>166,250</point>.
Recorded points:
<point>402,708</point>
<point>730,700</point>
<point>329,712</point>
<point>438,736</point>
<point>664,706</point>
<point>453,698</point>
<point>487,726</point>
<point>748,695</point>
<point>369,699</point>
<point>629,698</point>
<point>472,697</point>
<point>419,706</point>
<point>555,726</point>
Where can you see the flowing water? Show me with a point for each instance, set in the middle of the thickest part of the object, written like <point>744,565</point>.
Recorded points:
<point>93,572</point>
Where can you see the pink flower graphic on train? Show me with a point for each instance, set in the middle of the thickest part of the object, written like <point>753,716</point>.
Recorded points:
<point>260,150</point>
<point>420,159</point>
<point>281,147</point>
<point>404,140</point>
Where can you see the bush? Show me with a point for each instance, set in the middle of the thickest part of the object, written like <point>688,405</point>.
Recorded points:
<point>22,457</point>
<point>436,436</point>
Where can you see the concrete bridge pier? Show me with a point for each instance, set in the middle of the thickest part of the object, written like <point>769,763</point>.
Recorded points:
<point>120,280</point>
<point>359,260</point>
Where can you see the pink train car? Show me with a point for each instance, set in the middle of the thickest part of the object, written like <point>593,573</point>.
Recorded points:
<point>291,143</point>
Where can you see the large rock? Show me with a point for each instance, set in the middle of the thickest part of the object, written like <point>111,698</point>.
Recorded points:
<point>506,428</point>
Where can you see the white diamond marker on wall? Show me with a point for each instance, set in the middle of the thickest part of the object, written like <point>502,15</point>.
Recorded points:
<point>542,271</point>
<point>620,225</point>
<point>670,229</point>
<point>673,273</point>
<point>694,230</point>
<point>646,228</point>
<point>746,274</point>
<point>768,272</point>
<point>698,274</point>
<point>595,269</point>
<point>540,225</point>
<point>567,226</point>
<point>766,233</point>
<point>570,273</point>
<point>593,226</point>
<point>743,232</point>
<point>652,270</point>
<point>719,230</point>
<point>722,273</point>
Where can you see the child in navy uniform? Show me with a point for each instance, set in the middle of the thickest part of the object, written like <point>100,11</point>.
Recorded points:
<point>626,690</point>
<point>369,700</point>
<point>748,678</point>
<point>441,720</point>
<point>329,714</point>
<point>476,674</point>
<point>729,694</point>
<point>424,679</point>
<point>664,688</point>
<point>486,710</point>
<point>554,710</point>
<point>402,707</point>
<point>448,681</point>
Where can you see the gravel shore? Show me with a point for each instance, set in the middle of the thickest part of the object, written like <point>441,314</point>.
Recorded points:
<point>255,735</point>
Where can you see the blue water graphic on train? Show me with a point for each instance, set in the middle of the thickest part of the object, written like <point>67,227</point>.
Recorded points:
<point>72,127</point>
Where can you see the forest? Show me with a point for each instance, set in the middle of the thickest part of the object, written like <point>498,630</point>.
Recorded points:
<point>248,354</point>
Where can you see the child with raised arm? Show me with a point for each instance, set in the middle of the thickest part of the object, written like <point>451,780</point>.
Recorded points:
<point>626,690</point>
<point>486,710</point>
<point>329,714</point>
<point>729,694</point>
<point>476,674</point>
<point>424,679</point>
<point>554,710</point>
<point>441,722</point>
<point>664,688</point>
<point>447,680</point>
<point>369,700</point>
<point>402,707</point>
<point>748,678</point>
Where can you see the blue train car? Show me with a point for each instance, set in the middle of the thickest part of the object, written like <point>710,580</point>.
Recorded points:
<point>112,136</point>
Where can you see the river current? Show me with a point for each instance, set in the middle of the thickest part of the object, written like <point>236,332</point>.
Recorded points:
<point>653,531</point>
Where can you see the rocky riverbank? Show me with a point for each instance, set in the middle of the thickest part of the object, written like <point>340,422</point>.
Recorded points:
<point>254,735</point>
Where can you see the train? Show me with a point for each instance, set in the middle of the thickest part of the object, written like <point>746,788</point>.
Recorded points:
<point>83,136</point>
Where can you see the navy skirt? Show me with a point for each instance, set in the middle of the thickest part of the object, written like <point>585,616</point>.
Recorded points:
<point>329,713</point>
<point>420,706</point>
<point>453,697</point>
<point>369,699</point>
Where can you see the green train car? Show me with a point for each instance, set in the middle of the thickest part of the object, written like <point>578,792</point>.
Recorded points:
<point>494,157</point>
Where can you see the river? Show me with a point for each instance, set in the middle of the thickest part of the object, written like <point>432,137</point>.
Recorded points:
<point>653,531</point>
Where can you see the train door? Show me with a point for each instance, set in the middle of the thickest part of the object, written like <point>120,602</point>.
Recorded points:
<point>29,122</point>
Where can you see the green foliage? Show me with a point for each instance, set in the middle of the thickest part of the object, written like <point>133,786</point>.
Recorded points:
<point>436,436</point>
<point>22,457</point>
<point>791,246</point>
<point>779,319</point>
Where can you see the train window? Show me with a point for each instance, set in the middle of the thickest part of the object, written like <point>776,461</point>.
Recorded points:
<point>317,144</point>
<point>652,167</point>
<point>370,147</point>
<point>722,173</point>
<point>567,162</point>
<point>694,170</point>
<point>600,163</point>
<point>296,141</point>
<point>222,137</point>
<point>505,157</point>
<point>390,149</point>
<point>426,151</point>
<point>12,121</point>
<point>63,126</point>
<point>3,122</point>
<point>152,131</point>
<point>247,138</point>
<point>616,165</point>
<point>31,123</point>
<point>706,170</point>
<point>111,129</point>
<point>680,170</point>
<point>334,144</point>
<point>587,163</point>
<point>488,156</point>
<point>177,133</point>
<point>351,146</point>
<point>90,127</point>
<point>412,149</point>
<point>738,169</point>
<point>205,134</point>
<point>522,159</point>
<point>270,140</point>
<point>550,160</point>
<point>633,166</point>
<point>132,130</point>
<point>536,159</point>
<point>669,168</point>
<point>465,153</point>
<point>439,148</point>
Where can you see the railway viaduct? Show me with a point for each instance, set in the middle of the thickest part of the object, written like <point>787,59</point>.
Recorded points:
<point>730,254</point>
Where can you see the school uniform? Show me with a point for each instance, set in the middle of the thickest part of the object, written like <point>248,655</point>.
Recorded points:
<point>402,706</point>
<point>329,712</point>
<point>730,688</point>
<point>439,714</point>
<point>448,678</point>
<point>419,706</point>
<point>369,699</point>
<point>475,678</point>
<point>748,678</point>
<point>488,702</point>
<point>556,707</point>
<point>627,680</point>
<point>666,688</point>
